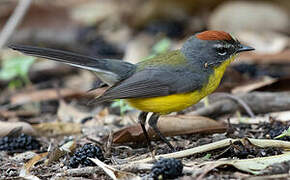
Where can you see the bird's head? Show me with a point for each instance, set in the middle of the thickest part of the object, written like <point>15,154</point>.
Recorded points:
<point>212,48</point>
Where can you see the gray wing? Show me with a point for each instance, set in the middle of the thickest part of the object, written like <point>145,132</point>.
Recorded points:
<point>153,83</point>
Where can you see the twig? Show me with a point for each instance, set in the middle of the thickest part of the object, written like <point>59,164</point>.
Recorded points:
<point>136,167</point>
<point>80,171</point>
<point>216,145</point>
<point>207,169</point>
<point>189,152</point>
<point>125,167</point>
<point>239,101</point>
<point>14,21</point>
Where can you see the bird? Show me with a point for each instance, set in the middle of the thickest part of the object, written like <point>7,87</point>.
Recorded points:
<point>169,82</point>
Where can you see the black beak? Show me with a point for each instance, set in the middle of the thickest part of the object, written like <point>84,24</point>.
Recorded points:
<point>245,48</point>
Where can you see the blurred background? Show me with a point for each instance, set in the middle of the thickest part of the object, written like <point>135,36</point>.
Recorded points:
<point>129,30</point>
<point>136,29</point>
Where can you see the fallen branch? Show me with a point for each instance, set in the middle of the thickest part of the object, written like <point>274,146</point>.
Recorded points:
<point>258,102</point>
<point>48,94</point>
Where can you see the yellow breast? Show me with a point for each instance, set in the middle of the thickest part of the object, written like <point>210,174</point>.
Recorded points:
<point>178,102</point>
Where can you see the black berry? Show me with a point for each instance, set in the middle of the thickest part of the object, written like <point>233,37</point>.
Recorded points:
<point>166,168</point>
<point>20,143</point>
<point>82,154</point>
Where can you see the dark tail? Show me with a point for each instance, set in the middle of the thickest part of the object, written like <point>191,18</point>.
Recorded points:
<point>107,69</point>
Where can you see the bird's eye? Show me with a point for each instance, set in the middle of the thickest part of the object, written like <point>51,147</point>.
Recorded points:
<point>222,51</point>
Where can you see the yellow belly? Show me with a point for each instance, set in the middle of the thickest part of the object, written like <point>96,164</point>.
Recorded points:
<point>178,102</point>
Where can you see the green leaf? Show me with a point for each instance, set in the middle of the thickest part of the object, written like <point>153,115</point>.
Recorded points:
<point>206,157</point>
<point>116,103</point>
<point>15,84</point>
<point>161,46</point>
<point>7,74</point>
<point>123,105</point>
<point>16,66</point>
<point>283,134</point>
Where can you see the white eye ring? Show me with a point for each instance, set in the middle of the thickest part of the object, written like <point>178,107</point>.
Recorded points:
<point>223,53</point>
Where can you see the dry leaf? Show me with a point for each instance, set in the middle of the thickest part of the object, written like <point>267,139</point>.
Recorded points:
<point>28,176</point>
<point>57,129</point>
<point>23,157</point>
<point>59,152</point>
<point>186,124</point>
<point>6,127</point>
<point>25,170</point>
<point>68,113</point>
<point>69,146</point>
<point>171,126</point>
<point>267,177</point>
<point>255,165</point>
<point>206,169</point>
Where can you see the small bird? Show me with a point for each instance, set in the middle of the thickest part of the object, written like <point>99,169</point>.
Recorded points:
<point>166,83</point>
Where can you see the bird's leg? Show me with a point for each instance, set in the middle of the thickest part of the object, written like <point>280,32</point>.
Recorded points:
<point>153,123</point>
<point>142,120</point>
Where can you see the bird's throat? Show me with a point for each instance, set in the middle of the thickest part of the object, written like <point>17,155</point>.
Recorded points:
<point>216,76</point>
